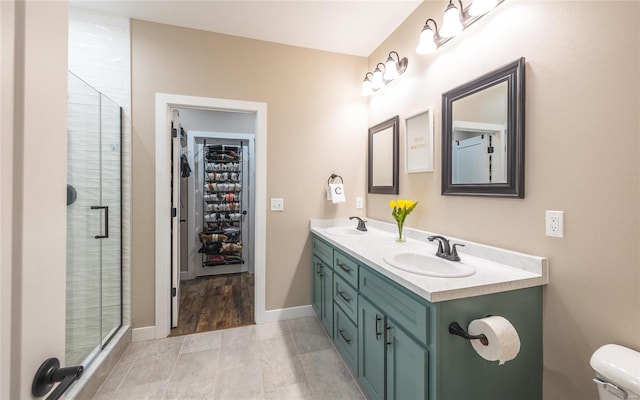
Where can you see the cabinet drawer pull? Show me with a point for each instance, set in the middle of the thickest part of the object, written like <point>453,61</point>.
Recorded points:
<point>318,268</point>
<point>343,267</point>
<point>346,339</point>
<point>388,339</point>
<point>345,298</point>
<point>378,333</point>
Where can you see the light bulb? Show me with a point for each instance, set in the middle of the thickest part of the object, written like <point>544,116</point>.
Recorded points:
<point>479,7</point>
<point>377,82</point>
<point>390,69</point>
<point>427,43</point>
<point>451,22</point>
<point>367,89</point>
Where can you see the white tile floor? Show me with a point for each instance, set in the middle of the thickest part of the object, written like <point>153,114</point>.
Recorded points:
<point>282,360</point>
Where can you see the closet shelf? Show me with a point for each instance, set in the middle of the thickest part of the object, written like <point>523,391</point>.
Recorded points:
<point>223,203</point>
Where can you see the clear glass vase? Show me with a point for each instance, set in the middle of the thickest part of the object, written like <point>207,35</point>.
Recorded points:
<point>400,238</point>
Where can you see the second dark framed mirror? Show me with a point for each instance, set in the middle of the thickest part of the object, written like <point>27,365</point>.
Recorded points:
<point>483,135</point>
<point>383,157</point>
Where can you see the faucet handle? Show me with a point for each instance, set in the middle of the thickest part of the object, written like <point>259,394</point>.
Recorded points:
<point>454,252</point>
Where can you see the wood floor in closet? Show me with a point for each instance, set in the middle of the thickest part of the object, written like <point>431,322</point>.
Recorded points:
<point>215,302</point>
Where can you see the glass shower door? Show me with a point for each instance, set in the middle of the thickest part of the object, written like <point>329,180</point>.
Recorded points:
<point>83,324</point>
<point>94,241</point>
<point>111,197</point>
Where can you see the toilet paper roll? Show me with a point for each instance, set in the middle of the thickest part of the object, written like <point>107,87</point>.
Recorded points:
<point>504,342</point>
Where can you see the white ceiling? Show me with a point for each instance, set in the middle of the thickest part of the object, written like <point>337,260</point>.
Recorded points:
<point>342,26</point>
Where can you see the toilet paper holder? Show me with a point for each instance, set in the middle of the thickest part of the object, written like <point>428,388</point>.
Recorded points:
<point>456,329</point>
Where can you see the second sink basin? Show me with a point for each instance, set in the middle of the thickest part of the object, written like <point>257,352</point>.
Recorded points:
<point>344,231</point>
<point>430,265</point>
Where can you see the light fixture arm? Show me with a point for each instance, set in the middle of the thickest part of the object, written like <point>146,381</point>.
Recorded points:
<point>396,53</point>
<point>463,13</point>
<point>436,32</point>
<point>403,63</point>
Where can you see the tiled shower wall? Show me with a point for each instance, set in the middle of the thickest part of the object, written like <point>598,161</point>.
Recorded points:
<point>99,53</point>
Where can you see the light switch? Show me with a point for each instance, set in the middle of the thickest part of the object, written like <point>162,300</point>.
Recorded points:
<point>277,204</point>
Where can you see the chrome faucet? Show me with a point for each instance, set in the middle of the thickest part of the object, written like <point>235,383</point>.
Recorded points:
<point>444,249</point>
<point>361,224</point>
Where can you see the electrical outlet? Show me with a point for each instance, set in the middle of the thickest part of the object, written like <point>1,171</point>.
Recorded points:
<point>359,203</point>
<point>277,204</point>
<point>555,223</point>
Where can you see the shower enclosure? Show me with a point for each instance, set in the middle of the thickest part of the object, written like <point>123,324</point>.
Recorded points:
<point>94,222</point>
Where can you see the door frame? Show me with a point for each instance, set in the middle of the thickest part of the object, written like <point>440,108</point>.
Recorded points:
<point>164,104</point>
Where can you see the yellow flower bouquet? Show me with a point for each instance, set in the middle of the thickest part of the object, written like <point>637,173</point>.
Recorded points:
<point>399,211</point>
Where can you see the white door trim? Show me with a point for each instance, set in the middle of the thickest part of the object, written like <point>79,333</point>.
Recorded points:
<point>164,103</point>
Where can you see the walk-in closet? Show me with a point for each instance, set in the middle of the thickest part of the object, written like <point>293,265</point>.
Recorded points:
<point>216,220</point>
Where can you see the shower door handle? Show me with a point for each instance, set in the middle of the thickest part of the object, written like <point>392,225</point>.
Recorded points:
<point>106,221</point>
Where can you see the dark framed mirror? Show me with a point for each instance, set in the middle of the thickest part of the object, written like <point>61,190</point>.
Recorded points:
<point>483,135</point>
<point>383,157</point>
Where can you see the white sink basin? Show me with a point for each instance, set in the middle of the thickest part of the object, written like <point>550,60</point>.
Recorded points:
<point>430,265</point>
<point>344,231</point>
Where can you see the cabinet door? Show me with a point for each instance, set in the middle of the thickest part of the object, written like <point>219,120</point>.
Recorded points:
<point>327,299</point>
<point>407,365</point>
<point>371,349</point>
<point>317,286</point>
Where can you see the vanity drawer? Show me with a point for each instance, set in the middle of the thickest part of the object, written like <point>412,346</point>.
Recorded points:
<point>346,267</point>
<point>397,303</point>
<point>323,251</point>
<point>346,338</point>
<point>346,297</point>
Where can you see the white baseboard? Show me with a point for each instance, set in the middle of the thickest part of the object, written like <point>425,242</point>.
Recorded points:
<point>142,334</point>
<point>286,313</point>
<point>184,275</point>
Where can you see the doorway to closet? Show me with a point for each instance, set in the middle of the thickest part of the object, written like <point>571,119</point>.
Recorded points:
<point>213,187</point>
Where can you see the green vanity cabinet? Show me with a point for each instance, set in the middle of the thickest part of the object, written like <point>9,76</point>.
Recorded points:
<point>399,345</point>
<point>346,338</point>
<point>323,293</point>
<point>322,283</point>
<point>407,365</point>
<point>388,355</point>
<point>345,305</point>
<point>371,343</point>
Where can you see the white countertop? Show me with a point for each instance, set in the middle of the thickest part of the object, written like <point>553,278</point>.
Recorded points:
<point>497,270</point>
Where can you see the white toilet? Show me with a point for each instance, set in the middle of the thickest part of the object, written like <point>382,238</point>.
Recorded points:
<point>617,372</point>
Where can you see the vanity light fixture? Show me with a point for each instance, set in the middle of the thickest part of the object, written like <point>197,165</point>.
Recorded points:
<point>367,86</point>
<point>377,82</point>
<point>454,21</point>
<point>391,69</point>
<point>429,38</point>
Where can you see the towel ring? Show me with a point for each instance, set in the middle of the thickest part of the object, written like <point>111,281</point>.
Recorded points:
<point>334,176</point>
